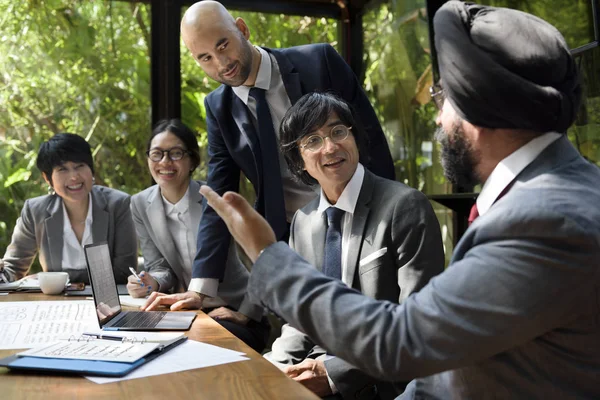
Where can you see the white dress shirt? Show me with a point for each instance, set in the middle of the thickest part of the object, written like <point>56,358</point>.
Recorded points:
<point>346,202</point>
<point>184,237</point>
<point>295,194</point>
<point>508,169</point>
<point>73,256</point>
<point>178,224</point>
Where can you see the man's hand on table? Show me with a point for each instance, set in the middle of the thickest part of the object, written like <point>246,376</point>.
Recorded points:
<point>246,225</point>
<point>178,301</point>
<point>224,313</point>
<point>312,375</point>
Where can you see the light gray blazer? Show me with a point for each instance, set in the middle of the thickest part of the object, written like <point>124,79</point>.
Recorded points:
<point>162,260</point>
<point>40,228</point>
<point>516,315</point>
<point>395,248</point>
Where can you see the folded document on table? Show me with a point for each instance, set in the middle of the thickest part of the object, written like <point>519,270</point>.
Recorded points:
<point>89,355</point>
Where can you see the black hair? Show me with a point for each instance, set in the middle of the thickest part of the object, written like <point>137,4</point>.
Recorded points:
<point>309,114</point>
<point>185,134</point>
<point>62,148</point>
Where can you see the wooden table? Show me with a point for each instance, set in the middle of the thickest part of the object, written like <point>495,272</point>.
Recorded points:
<point>252,379</point>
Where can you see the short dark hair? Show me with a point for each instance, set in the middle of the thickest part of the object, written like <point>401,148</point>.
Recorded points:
<point>62,148</point>
<point>309,114</point>
<point>185,134</point>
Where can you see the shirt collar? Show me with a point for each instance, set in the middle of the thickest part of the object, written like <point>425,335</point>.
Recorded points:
<point>508,169</point>
<point>349,196</point>
<point>88,218</point>
<point>263,78</point>
<point>181,206</point>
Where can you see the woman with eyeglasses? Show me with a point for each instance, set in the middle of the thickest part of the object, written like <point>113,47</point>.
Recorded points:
<point>75,213</point>
<point>167,216</point>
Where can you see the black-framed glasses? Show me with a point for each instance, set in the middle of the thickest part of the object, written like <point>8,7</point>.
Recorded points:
<point>315,142</point>
<point>437,95</point>
<point>174,154</point>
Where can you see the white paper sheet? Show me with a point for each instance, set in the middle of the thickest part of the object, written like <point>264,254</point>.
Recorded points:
<point>26,324</point>
<point>189,355</point>
<point>132,301</point>
<point>95,349</point>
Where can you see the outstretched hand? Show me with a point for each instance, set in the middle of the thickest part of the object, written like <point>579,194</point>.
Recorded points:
<point>246,225</point>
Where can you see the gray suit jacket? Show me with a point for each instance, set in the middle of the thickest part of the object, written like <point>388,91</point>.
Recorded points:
<point>162,260</point>
<point>40,227</point>
<point>388,215</point>
<point>516,314</point>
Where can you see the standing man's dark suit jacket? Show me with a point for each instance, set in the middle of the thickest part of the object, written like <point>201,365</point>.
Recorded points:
<point>395,248</point>
<point>233,142</point>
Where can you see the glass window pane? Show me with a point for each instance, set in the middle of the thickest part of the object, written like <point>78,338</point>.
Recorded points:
<point>397,80</point>
<point>585,133</point>
<point>573,18</point>
<point>72,66</point>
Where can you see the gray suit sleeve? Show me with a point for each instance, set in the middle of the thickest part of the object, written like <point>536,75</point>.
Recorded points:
<point>291,347</point>
<point>125,242</point>
<point>23,247</point>
<point>154,262</point>
<point>489,301</point>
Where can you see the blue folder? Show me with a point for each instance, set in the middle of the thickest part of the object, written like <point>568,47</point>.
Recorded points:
<point>81,367</point>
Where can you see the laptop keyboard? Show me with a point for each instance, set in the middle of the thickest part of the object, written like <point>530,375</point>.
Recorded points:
<point>140,319</point>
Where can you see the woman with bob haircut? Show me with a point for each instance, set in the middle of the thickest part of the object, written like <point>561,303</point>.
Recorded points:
<point>74,213</point>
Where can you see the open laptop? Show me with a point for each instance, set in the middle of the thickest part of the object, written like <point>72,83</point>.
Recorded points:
<point>108,307</point>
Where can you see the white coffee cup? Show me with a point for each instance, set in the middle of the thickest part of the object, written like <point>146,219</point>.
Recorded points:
<point>52,282</point>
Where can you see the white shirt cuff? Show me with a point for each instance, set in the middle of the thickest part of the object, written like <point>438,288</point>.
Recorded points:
<point>206,286</point>
<point>324,358</point>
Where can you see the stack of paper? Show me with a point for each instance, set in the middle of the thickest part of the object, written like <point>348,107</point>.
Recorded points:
<point>189,355</point>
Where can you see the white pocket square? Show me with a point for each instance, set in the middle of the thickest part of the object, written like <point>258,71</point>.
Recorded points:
<point>372,256</point>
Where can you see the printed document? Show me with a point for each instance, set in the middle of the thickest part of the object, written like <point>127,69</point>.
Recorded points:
<point>27,324</point>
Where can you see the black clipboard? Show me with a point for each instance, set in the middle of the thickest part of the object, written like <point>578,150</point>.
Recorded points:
<point>81,367</point>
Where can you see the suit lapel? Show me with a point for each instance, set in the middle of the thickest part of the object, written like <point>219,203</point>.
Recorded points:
<point>290,78</point>
<point>195,205</point>
<point>100,216</point>
<point>359,222</point>
<point>318,226</point>
<point>54,225</point>
<point>158,223</point>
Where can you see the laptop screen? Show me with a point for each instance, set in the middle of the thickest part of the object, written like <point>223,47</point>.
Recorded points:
<point>102,280</point>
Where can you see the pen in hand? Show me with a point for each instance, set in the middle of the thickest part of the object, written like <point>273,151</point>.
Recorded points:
<point>134,273</point>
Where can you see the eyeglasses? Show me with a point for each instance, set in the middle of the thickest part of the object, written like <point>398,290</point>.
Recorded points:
<point>315,142</point>
<point>174,154</point>
<point>437,95</point>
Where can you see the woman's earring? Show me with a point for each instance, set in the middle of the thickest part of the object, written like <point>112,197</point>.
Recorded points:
<point>51,190</point>
<point>93,180</point>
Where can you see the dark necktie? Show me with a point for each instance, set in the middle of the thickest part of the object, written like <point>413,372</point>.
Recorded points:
<point>332,263</point>
<point>272,187</point>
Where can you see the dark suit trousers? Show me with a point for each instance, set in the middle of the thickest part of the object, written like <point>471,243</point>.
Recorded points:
<point>255,334</point>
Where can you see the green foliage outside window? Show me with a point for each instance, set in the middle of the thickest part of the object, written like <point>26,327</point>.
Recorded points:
<point>72,66</point>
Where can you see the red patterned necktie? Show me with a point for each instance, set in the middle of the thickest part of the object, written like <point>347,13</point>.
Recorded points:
<point>473,214</point>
